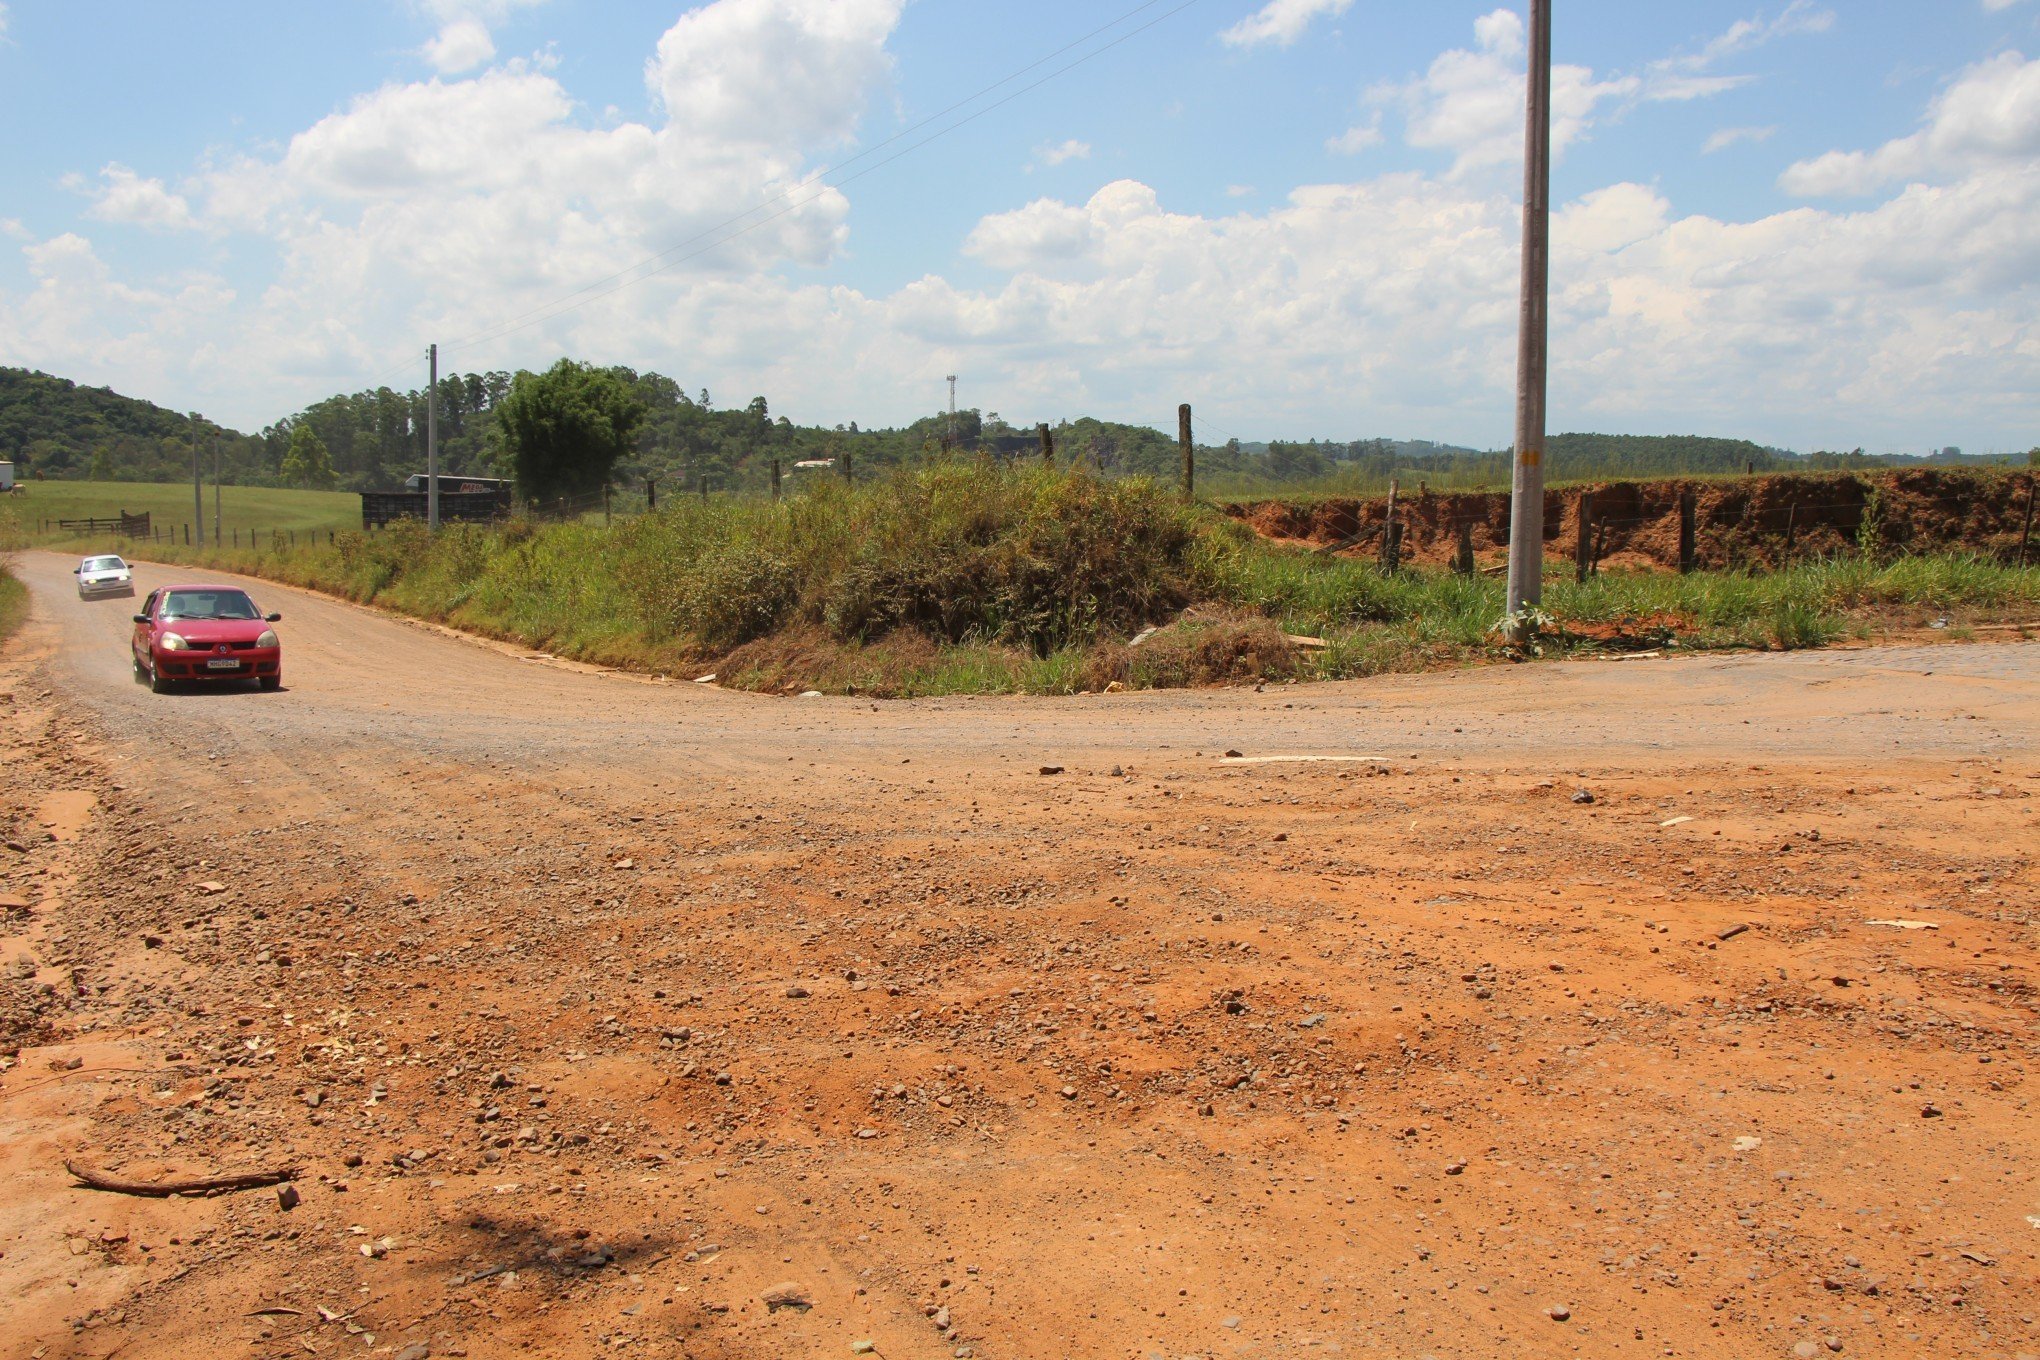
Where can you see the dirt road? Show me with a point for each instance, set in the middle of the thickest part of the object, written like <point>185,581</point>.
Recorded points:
<point>611,1016</point>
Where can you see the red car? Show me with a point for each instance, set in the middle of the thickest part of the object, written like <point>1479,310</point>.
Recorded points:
<point>205,633</point>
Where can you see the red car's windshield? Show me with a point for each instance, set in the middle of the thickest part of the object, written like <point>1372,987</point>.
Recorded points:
<point>208,604</point>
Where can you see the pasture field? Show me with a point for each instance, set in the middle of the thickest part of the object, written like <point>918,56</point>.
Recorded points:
<point>32,515</point>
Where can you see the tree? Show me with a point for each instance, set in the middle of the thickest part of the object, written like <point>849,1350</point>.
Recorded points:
<point>306,464</point>
<point>566,428</point>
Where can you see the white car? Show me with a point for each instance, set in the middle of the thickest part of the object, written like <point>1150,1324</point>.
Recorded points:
<point>104,576</point>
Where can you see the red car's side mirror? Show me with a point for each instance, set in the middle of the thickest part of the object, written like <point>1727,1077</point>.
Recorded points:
<point>272,618</point>
<point>141,618</point>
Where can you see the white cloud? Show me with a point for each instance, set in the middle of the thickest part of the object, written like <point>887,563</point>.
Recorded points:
<point>464,40</point>
<point>1239,191</point>
<point>1990,117</point>
<point>1281,22</point>
<point>1725,138</point>
<point>773,72</point>
<point>1357,138</point>
<point>3,21</point>
<point>1470,103</point>
<point>1684,76</point>
<point>1993,6</point>
<point>460,46</point>
<point>124,196</point>
<point>1057,153</point>
<point>1800,16</point>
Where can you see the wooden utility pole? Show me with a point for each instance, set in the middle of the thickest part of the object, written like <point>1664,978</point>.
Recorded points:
<point>216,488</point>
<point>432,444</point>
<point>1189,452</point>
<point>1047,445</point>
<point>651,494</point>
<point>775,479</point>
<point>1583,539</point>
<point>1526,505</point>
<point>849,473</point>
<point>2026,534</point>
<point>197,486</point>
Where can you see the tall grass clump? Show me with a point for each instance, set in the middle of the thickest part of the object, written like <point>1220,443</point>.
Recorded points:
<point>13,602</point>
<point>953,551</point>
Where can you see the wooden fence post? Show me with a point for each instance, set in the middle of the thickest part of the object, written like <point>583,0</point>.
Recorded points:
<point>1687,531</point>
<point>1583,538</point>
<point>1391,535</point>
<point>775,479</point>
<point>1600,541</point>
<point>651,493</point>
<point>2026,534</point>
<point>1183,438</point>
<point>1047,445</point>
<point>1462,556</point>
<point>849,474</point>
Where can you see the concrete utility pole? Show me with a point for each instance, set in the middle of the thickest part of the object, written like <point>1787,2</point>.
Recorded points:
<point>952,410</point>
<point>197,485</point>
<point>1526,505</point>
<point>215,488</point>
<point>432,445</point>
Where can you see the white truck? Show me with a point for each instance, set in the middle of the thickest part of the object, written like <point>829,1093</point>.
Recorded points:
<point>6,478</point>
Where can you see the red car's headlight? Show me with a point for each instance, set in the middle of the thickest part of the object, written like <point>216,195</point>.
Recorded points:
<point>170,642</point>
<point>268,638</point>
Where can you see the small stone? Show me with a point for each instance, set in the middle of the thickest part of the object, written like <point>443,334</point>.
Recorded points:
<point>1558,1312</point>
<point>1051,769</point>
<point>1232,755</point>
<point>1805,1350</point>
<point>1583,796</point>
<point>288,1198</point>
<point>211,889</point>
<point>1833,1343</point>
<point>417,1350</point>
<point>1456,1168</point>
<point>1068,1093</point>
<point>798,992</point>
<point>867,1133</point>
<point>941,1319</point>
<point>1930,1111</point>
<point>863,1348</point>
<point>1231,1324</point>
<point>626,864</point>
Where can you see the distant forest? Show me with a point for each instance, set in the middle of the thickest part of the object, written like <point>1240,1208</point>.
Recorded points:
<point>53,428</point>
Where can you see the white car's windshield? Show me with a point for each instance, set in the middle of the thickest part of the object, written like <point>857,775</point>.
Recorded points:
<point>208,604</point>
<point>104,564</point>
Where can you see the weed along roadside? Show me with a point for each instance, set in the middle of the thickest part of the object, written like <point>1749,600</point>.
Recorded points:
<point>961,577</point>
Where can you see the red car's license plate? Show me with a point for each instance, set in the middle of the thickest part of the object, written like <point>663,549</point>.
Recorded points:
<point>228,664</point>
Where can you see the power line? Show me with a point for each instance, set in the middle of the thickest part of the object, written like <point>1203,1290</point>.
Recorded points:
<point>652,267</point>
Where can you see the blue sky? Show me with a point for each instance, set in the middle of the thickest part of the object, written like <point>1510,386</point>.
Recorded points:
<point>1812,224</point>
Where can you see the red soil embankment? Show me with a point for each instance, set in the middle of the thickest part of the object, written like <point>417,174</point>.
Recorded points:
<point>1745,522</point>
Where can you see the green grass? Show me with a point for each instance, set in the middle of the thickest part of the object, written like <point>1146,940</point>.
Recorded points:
<point>13,603</point>
<point>954,578</point>
<point>244,510</point>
